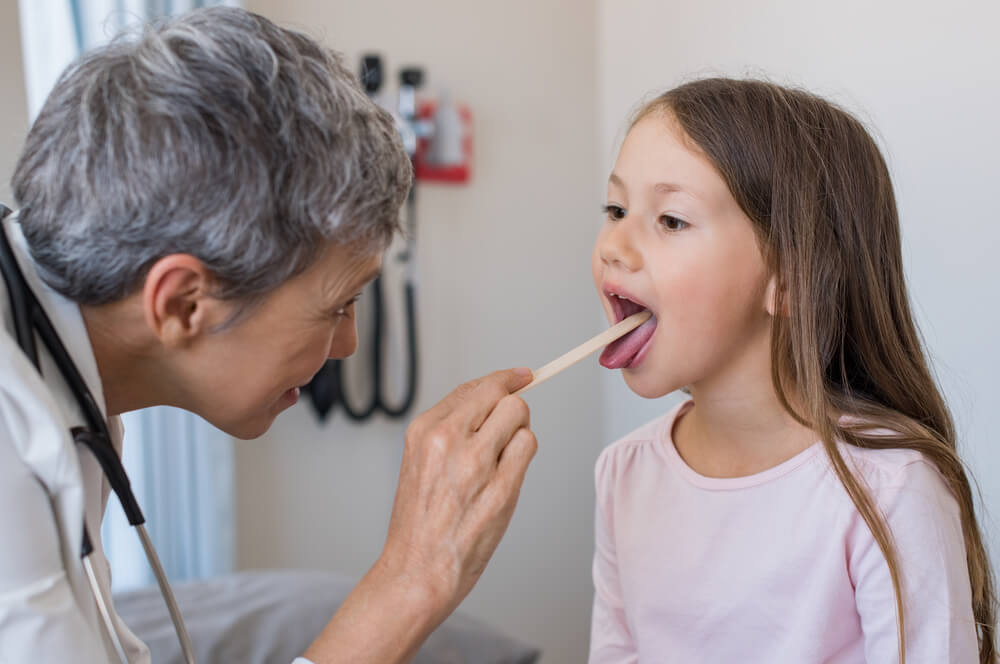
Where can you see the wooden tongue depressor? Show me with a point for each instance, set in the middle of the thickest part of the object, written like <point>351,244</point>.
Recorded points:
<point>586,348</point>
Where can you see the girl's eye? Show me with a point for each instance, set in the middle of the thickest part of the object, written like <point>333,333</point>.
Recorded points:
<point>673,223</point>
<point>614,212</point>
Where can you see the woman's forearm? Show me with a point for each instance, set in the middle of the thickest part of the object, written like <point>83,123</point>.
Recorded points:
<point>384,620</point>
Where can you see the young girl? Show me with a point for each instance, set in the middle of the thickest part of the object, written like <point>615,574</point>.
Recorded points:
<point>807,503</point>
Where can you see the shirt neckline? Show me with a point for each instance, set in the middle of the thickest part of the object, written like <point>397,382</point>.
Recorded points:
<point>665,445</point>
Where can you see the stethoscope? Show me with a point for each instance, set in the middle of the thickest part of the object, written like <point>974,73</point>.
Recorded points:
<point>30,318</point>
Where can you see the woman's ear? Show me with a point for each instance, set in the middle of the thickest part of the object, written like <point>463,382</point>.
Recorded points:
<point>177,302</point>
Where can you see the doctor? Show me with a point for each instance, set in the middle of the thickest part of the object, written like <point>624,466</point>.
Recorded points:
<point>198,210</point>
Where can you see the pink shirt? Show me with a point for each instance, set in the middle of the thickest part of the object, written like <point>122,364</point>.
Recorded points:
<point>773,567</point>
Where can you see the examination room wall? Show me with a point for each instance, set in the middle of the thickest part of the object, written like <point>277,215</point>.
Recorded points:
<point>504,280</point>
<point>926,75</point>
<point>13,104</point>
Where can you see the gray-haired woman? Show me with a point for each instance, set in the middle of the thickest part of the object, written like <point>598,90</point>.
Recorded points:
<point>199,208</point>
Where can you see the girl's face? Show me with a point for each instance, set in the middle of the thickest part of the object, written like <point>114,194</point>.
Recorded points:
<point>676,242</point>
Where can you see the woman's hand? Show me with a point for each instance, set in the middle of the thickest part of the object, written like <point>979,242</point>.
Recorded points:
<point>460,478</point>
<point>461,475</point>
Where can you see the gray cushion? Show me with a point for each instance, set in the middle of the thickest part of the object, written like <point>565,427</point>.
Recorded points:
<point>270,617</point>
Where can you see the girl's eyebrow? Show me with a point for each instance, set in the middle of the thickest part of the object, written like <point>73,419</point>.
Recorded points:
<point>659,187</point>
<point>669,188</point>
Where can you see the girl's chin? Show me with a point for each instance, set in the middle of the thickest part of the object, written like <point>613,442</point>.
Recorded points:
<point>648,387</point>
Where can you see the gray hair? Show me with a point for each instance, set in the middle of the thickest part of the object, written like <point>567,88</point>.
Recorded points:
<point>216,134</point>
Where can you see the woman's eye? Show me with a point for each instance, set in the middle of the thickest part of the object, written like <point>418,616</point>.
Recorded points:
<point>615,212</point>
<point>673,223</point>
<point>345,310</point>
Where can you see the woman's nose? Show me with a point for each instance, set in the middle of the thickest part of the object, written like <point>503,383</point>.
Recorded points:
<point>345,339</point>
<point>618,246</point>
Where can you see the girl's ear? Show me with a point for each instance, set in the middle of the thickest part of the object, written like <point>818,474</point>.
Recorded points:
<point>771,293</point>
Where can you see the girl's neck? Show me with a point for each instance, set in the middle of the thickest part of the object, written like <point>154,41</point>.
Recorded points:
<point>734,431</point>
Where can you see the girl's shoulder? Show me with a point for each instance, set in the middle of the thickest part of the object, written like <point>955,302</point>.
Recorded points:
<point>642,448</point>
<point>896,476</point>
<point>888,472</point>
<point>882,463</point>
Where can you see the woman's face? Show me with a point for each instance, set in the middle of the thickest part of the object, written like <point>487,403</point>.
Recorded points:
<point>244,375</point>
<point>676,242</point>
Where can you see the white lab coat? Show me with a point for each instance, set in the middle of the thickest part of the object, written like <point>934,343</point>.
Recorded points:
<point>47,485</point>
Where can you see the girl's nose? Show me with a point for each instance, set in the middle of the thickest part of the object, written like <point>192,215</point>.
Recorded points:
<point>618,246</point>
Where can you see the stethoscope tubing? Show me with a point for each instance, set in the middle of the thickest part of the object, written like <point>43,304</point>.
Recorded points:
<point>168,594</point>
<point>377,402</point>
<point>102,608</point>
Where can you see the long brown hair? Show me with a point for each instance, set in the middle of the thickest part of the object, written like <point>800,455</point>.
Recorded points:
<point>815,186</point>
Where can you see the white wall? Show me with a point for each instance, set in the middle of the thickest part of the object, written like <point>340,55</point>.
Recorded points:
<point>504,281</point>
<point>927,76</point>
<point>13,104</point>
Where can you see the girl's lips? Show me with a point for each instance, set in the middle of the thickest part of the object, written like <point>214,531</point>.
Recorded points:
<point>623,303</point>
<point>628,351</point>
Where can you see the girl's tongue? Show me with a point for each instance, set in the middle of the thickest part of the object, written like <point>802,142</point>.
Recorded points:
<point>620,352</point>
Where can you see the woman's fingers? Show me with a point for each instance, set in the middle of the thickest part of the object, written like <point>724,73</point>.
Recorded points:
<point>507,417</point>
<point>496,504</point>
<point>471,403</point>
<point>465,410</point>
<point>485,396</point>
<point>517,455</point>
<point>514,460</point>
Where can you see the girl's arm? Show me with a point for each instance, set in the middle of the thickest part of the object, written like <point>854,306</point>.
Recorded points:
<point>937,606</point>
<point>610,639</point>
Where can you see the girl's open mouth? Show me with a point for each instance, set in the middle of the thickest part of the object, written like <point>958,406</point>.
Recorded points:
<point>629,350</point>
